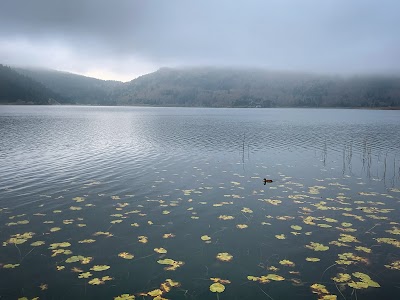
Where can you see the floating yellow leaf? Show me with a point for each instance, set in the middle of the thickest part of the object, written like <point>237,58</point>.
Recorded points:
<point>143,239</point>
<point>125,297</point>
<point>87,241</point>
<point>223,281</point>
<point>10,266</point>
<point>275,277</point>
<point>226,217</point>
<point>85,275</point>
<point>330,220</point>
<point>317,247</point>
<point>168,235</point>
<point>324,225</point>
<point>217,287</point>
<point>43,287</point>
<point>166,261</point>
<point>78,199</point>
<point>389,241</point>
<point>75,208</point>
<point>347,238</point>
<point>54,229</point>
<point>116,221</point>
<point>96,281</point>
<point>394,230</point>
<point>173,265</point>
<point>339,244</point>
<point>172,283</point>
<point>319,289</point>
<point>246,210</point>
<point>37,243</point>
<point>224,256</point>
<point>358,285</point>
<point>160,250</point>
<point>75,258</point>
<point>60,245</point>
<point>349,258</point>
<point>272,201</point>
<point>126,255</point>
<point>252,278</point>
<point>312,259</point>
<point>205,238</point>
<point>280,236</point>
<point>394,265</point>
<point>287,263</point>
<point>98,268</point>
<point>296,227</point>
<point>341,277</point>
<point>241,226</point>
<point>364,249</point>
<point>106,278</point>
<point>76,270</point>
<point>155,293</point>
<point>366,279</point>
<point>107,234</point>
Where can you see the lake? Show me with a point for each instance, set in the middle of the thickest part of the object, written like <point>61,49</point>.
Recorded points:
<point>108,202</point>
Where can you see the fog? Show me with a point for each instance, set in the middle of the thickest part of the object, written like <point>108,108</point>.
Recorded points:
<point>124,39</point>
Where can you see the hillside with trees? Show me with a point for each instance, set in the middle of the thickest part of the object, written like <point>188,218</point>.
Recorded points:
<point>76,88</point>
<point>205,87</point>
<point>18,89</point>
<point>216,87</point>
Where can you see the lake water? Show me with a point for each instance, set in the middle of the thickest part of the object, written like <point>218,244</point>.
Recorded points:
<point>83,189</point>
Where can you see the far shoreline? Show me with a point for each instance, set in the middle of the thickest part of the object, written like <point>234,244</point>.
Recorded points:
<point>173,106</point>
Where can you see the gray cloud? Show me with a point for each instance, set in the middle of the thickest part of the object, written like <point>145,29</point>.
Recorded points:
<point>131,37</point>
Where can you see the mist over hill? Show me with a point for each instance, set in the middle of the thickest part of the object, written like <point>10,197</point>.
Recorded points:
<point>217,87</point>
<point>20,89</point>
<point>76,88</point>
<point>223,87</point>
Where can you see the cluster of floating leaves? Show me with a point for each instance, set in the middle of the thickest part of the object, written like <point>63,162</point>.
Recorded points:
<point>165,288</point>
<point>363,281</point>
<point>172,265</point>
<point>339,216</point>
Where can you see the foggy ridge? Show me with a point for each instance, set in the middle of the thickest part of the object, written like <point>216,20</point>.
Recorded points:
<point>222,87</point>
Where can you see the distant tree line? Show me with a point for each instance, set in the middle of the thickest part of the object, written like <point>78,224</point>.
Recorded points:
<point>16,88</point>
<point>207,87</point>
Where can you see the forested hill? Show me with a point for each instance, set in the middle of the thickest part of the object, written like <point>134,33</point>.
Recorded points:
<point>210,87</point>
<point>258,88</point>
<point>76,88</point>
<point>16,88</point>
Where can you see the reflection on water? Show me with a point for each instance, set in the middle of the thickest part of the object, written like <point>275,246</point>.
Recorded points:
<point>112,182</point>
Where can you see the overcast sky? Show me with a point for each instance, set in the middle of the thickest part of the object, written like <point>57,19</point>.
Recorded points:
<point>122,39</point>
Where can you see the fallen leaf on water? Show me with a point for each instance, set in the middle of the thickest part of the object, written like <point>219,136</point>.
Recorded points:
<point>217,287</point>
<point>126,255</point>
<point>85,275</point>
<point>224,256</point>
<point>280,236</point>
<point>160,250</point>
<point>99,268</point>
<point>125,297</point>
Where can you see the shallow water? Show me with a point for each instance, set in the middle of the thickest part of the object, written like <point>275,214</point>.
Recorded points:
<point>177,170</point>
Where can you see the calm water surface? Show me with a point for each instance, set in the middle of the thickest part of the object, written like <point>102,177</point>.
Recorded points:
<point>103,181</point>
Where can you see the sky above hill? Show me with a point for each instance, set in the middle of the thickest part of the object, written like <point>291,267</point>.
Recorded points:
<point>127,38</point>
